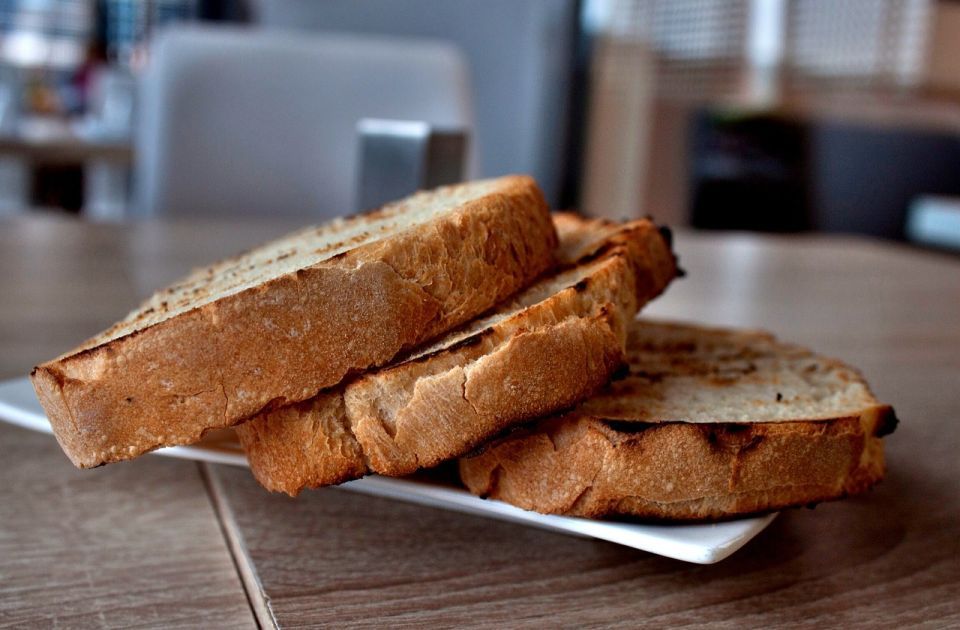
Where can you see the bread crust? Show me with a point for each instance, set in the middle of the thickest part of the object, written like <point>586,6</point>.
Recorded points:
<point>534,372</point>
<point>646,447</point>
<point>440,405</point>
<point>282,341</point>
<point>282,445</point>
<point>583,466</point>
<point>341,435</point>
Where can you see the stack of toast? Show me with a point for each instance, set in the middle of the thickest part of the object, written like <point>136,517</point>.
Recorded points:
<point>470,324</point>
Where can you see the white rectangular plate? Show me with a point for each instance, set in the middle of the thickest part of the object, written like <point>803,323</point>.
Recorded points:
<point>703,544</point>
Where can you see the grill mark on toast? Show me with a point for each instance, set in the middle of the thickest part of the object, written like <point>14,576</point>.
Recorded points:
<point>608,248</point>
<point>627,427</point>
<point>467,342</point>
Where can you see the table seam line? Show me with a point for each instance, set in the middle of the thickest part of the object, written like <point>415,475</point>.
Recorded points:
<point>246,572</point>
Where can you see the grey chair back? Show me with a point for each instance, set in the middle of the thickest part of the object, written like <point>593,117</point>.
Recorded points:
<point>239,122</point>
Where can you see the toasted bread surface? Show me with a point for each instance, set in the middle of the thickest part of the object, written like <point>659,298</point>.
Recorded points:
<point>707,424</point>
<point>278,324</point>
<point>544,350</point>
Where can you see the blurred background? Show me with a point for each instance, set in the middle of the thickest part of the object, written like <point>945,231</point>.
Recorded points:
<point>766,115</point>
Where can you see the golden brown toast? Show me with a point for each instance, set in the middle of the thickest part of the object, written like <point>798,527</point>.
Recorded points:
<point>276,325</point>
<point>704,424</point>
<point>544,350</point>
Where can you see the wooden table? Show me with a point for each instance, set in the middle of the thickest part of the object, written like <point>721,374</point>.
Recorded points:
<point>170,543</point>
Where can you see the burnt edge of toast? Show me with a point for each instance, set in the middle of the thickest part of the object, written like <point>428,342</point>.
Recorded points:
<point>523,429</point>
<point>886,424</point>
<point>613,242</point>
<point>667,234</point>
<point>466,342</point>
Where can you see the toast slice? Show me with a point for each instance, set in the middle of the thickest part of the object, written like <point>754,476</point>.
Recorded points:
<point>705,424</point>
<point>276,325</point>
<point>547,349</point>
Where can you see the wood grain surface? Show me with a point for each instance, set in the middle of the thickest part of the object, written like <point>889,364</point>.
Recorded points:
<point>147,542</point>
<point>128,546</point>
<point>137,545</point>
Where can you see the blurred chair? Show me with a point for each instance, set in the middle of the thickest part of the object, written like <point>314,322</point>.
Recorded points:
<point>525,57</point>
<point>244,122</point>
